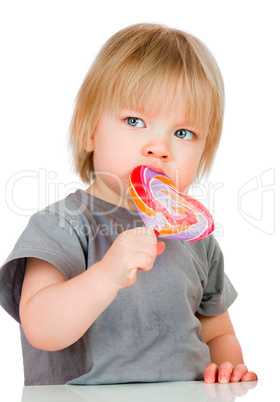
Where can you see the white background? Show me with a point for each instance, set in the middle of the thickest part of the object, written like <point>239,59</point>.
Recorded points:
<point>47,48</point>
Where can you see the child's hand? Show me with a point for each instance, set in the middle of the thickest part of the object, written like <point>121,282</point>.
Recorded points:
<point>132,250</point>
<point>226,373</point>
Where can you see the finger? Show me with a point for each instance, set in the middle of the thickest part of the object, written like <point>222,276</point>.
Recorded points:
<point>224,373</point>
<point>141,241</point>
<point>141,233</point>
<point>152,231</point>
<point>132,276</point>
<point>143,261</point>
<point>160,247</point>
<point>145,235</point>
<point>238,372</point>
<point>210,373</point>
<point>249,376</point>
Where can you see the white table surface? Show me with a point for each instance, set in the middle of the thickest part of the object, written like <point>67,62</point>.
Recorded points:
<point>154,392</point>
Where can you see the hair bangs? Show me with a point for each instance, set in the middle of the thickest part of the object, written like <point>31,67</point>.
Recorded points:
<point>161,90</point>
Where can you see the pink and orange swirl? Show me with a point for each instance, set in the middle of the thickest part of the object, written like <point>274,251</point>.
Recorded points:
<point>172,214</point>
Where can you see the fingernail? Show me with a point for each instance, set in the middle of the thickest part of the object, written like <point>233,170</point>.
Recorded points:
<point>223,380</point>
<point>245,377</point>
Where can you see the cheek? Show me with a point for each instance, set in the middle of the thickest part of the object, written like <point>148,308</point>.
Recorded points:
<point>185,176</point>
<point>105,152</point>
<point>186,180</point>
<point>113,162</point>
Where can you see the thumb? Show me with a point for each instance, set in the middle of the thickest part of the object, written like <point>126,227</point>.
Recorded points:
<point>132,276</point>
<point>160,247</point>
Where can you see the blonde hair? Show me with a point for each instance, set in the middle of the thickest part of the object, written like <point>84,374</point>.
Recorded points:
<point>143,67</point>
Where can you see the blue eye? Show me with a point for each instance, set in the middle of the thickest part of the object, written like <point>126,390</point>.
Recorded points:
<point>135,122</point>
<point>184,134</point>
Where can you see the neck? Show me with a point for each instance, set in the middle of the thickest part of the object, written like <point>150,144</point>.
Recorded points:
<point>111,197</point>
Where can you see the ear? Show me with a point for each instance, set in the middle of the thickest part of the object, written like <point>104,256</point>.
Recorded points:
<point>88,142</point>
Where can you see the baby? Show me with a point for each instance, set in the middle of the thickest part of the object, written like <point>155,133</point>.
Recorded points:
<point>99,300</point>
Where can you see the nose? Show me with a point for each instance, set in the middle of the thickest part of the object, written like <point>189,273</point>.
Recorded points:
<point>157,149</point>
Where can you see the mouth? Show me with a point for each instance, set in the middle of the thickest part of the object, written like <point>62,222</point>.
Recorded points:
<point>156,169</point>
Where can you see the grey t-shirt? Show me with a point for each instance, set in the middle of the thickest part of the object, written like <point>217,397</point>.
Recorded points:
<point>149,332</point>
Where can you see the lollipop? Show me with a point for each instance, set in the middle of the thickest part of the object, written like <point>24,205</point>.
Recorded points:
<point>172,214</point>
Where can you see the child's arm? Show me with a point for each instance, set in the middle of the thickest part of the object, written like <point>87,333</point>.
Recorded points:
<point>225,351</point>
<point>56,312</point>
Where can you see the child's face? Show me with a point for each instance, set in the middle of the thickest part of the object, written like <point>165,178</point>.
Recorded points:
<point>162,140</point>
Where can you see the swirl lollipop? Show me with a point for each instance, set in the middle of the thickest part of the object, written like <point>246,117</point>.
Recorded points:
<point>172,214</point>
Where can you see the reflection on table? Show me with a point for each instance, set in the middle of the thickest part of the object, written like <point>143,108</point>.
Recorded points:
<point>154,392</point>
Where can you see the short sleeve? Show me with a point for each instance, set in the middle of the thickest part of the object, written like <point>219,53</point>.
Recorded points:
<point>218,293</point>
<point>49,237</point>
